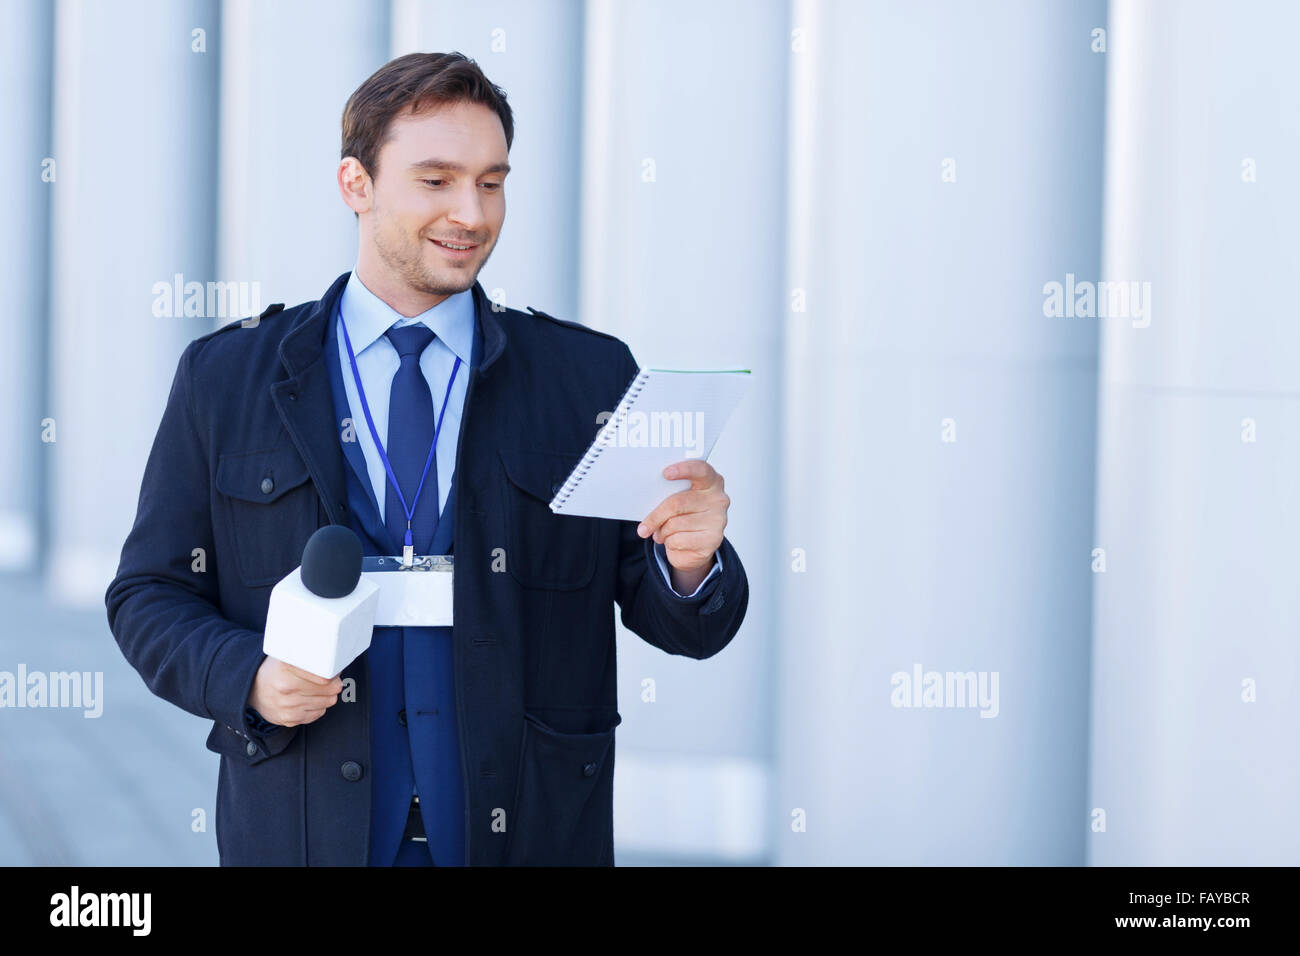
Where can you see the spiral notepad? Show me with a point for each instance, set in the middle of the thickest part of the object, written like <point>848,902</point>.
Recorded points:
<point>665,416</point>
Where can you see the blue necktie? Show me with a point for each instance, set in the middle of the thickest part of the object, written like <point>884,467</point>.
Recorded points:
<point>410,433</point>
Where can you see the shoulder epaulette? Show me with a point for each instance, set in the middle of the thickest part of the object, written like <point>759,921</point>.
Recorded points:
<point>270,310</point>
<point>572,325</point>
<point>251,323</point>
<point>240,323</point>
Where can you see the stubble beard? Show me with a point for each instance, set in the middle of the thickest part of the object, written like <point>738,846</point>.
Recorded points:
<point>408,262</point>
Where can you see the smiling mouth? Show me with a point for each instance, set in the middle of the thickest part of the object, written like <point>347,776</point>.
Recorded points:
<point>455,246</point>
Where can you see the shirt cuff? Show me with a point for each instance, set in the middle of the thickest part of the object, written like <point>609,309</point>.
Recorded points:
<point>258,724</point>
<point>661,554</point>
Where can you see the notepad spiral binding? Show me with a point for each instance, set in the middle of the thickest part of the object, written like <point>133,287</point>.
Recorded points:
<point>604,438</point>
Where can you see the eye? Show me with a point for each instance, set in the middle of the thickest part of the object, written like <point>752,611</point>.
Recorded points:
<point>492,187</point>
<point>433,182</point>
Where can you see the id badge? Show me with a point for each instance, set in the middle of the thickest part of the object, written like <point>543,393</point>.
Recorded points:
<point>414,595</point>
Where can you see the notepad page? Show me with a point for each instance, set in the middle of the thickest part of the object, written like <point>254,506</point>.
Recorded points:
<point>665,416</point>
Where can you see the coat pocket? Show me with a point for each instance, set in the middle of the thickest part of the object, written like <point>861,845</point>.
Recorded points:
<point>271,508</point>
<point>545,550</point>
<point>563,812</point>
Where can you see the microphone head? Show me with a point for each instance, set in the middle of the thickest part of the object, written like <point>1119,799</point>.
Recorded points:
<point>331,562</point>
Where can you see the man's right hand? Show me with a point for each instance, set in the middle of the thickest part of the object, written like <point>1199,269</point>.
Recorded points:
<point>288,695</point>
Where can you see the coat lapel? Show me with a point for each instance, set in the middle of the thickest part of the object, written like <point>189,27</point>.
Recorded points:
<point>305,403</point>
<point>304,397</point>
<point>352,453</point>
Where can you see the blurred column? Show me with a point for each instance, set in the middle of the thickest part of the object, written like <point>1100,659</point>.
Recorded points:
<point>133,205</point>
<point>937,472</point>
<point>26,54</point>
<point>287,69</point>
<point>534,52</point>
<point>1195,755</point>
<point>682,257</point>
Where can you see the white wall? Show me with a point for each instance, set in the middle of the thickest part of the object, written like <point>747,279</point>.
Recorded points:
<point>135,142</point>
<point>25,71</point>
<point>924,303</point>
<point>1198,502</point>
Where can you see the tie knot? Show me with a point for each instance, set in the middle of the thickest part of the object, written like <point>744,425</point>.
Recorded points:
<point>411,340</point>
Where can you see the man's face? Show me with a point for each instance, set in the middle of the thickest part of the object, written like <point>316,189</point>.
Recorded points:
<point>441,179</point>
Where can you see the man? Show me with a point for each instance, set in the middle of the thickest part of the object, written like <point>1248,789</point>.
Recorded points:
<point>488,742</point>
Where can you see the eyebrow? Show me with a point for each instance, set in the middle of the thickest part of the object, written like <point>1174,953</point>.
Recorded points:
<point>455,167</point>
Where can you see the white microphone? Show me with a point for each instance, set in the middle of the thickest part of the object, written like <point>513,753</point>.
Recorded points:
<point>322,613</point>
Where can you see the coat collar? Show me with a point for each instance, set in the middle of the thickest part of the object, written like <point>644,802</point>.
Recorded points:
<point>304,344</point>
<point>370,317</point>
<point>306,404</point>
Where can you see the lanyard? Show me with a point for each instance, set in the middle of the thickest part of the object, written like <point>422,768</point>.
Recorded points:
<point>408,550</point>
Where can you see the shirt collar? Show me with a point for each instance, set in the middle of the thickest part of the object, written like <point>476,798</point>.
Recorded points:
<point>369,317</point>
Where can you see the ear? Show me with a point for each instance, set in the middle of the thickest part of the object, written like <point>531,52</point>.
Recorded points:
<point>355,185</point>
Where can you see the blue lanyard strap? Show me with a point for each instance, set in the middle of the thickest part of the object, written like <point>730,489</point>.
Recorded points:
<point>383,456</point>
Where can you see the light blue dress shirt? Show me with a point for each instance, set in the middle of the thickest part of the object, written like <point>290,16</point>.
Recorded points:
<point>368,317</point>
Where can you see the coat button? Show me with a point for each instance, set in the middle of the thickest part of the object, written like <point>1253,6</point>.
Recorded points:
<point>267,486</point>
<point>351,770</point>
<point>588,769</point>
<point>401,716</point>
<point>251,749</point>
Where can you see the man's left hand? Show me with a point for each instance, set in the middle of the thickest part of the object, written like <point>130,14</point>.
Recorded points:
<point>690,523</point>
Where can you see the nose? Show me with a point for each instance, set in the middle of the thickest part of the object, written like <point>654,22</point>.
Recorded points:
<point>467,209</point>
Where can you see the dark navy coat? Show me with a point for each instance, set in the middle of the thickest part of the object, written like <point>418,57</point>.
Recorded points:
<point>246,465</point>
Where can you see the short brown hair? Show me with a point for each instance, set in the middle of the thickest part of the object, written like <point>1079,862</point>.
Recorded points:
<point>415,80</point>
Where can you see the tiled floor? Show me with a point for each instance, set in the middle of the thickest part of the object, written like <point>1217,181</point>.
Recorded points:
<point>118,789</point>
